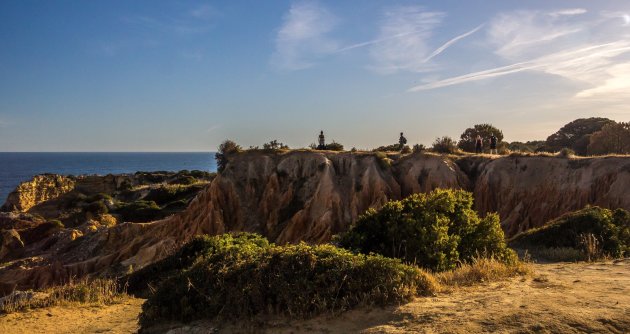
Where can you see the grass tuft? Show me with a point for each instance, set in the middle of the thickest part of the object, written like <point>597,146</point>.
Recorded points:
<point>482,270</point>
<point>84,291</point>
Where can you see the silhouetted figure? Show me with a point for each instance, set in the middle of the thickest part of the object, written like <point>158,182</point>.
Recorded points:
<point>478,144</point>
<point>322,141</point>
<point>402,141</point>
<point>493,144</point>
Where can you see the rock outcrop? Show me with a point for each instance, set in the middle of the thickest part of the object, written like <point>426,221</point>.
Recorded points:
<point>310,196</point>
<point>40,189</point>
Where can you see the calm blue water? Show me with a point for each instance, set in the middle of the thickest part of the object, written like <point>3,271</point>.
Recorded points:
<point>19,167</point>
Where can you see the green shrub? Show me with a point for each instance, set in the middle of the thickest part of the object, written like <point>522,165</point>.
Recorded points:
<point>57,223</point>
<point>242,277</point>
<point>445,144</point>
<point>334,146</point>
<point>96,208</point>
<point>417,148</point>
<point>139,211</point>
<point>610,228</point>
<point>198,248</point>
<point>163,195</point>
<point>383,161</point>
<point>566,153</point>
<point>388,148</point>
<point>435,231</point>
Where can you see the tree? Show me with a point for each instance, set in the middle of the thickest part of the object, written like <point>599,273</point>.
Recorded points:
<point>225,149</point>
<point>613,138</point>
<point>576,135</point>
<point>467,139</point>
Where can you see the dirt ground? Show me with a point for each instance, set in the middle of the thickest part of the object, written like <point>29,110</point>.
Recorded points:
<point>117,318</point>
<point>557,298</point>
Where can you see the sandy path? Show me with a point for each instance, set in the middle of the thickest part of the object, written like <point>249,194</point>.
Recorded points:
<point>116,318</point>
<point>558,298</point>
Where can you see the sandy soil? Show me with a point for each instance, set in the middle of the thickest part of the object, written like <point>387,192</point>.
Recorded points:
<point>116,318</point>
<point>557,298</point>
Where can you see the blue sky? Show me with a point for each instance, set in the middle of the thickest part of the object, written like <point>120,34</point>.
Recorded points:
<point>184,75</point>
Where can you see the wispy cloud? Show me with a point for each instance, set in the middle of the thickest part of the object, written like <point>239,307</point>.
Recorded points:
<point>531,33</point>
<point>197,20</point>
<point>451,42</point>
<point>568,12</point>
<point>584,51</point>
<point>412,27</point>
<point>303,36</point>
<point>213,128</point>
<point>579,64</point>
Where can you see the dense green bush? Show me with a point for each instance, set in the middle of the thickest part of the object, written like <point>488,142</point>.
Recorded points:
<point>198,248</point>
<point>241,277</point>
<point>435,231</point>
<point>139,211</point>
<point>610,228</point>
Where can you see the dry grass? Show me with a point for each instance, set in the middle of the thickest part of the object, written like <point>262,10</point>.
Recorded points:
<point>481,270</point>
<point>84,291</point>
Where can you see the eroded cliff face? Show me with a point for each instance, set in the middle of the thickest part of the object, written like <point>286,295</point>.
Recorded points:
<point>527,192</point>
<point>40,189</point>
<point>311,196</point>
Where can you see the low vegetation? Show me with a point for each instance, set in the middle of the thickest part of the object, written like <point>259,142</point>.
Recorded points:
<point>97,291</point>
<point>434,231</point>
<point>444,144</point>
<point>243,276</point>
<point>588,234</point>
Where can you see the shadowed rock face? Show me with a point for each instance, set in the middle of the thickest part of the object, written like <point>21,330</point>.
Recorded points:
<point>311,196</point>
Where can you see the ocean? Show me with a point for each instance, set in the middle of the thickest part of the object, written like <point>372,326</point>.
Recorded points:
<point>20,167</point>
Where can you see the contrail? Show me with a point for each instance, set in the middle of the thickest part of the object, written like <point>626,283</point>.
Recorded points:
<point>451,42</point>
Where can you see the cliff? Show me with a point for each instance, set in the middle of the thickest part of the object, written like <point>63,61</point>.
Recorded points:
<point>40,189</point>
<point>304,195</point>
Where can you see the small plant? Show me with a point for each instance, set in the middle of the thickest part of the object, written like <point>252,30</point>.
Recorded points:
<point>383,161</point>
<point>405,150</point>
<point>275,145</point>
<point>590,246</point>
<point>417,148</point>
<point>444,144</point>
<point>334,146</point>
<point>566,153</point>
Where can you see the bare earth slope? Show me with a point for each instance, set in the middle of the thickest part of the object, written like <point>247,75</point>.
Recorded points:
<point>310,196</point>
<point>558,298</point>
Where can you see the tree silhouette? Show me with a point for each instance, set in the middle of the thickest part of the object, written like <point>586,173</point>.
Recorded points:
<point>467,139</point>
